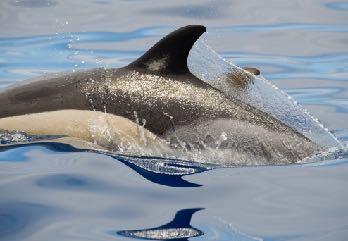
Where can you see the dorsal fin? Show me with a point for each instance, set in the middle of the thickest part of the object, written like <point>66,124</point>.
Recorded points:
<point>169,55</point>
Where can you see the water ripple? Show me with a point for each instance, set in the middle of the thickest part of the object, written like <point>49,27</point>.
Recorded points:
<point>283,27</point>
<point>210,10</point>
<point>34,3</point>
<point>331,66</point>
<point>71,182</point>
<point>23,57</point>
<point>296,202</point>
<point>341,6</point>
<point>326,97</point>
<point>18,219</point>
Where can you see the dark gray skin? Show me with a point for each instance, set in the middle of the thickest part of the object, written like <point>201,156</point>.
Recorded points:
<point>157,87</point>
<point>67,91</point>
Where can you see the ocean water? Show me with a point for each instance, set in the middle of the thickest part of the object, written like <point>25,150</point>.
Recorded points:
<point>52,191</point>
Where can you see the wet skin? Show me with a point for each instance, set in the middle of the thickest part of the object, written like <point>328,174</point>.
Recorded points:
<point>157,90</point>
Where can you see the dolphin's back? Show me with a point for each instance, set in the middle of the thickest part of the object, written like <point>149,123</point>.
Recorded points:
<point>48,93</point>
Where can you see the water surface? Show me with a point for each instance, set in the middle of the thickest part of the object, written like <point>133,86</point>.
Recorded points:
<point>56,192</point>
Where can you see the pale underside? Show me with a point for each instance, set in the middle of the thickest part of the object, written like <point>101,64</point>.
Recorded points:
<point>108,131</point>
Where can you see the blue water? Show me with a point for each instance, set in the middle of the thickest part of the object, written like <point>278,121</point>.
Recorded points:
<point>53,191</point>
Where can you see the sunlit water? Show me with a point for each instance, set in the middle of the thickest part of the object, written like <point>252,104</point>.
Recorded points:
<point>53,191</point>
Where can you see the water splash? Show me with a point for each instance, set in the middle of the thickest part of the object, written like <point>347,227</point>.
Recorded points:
<point>207,65</point>
<point>13,137</point>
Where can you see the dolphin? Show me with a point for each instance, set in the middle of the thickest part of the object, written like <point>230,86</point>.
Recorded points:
<point>158,90</point>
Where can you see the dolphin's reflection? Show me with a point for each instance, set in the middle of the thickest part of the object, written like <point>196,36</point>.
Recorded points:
<point>179,229</point>
<point>170,174</point>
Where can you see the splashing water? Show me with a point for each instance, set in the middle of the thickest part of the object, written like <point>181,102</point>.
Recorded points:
<point>207,65</point>
<point>13,137</point>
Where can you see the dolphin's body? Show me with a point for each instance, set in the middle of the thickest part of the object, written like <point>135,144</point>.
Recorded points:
<point>157,89</point>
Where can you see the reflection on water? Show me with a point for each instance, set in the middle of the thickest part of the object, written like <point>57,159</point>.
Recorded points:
<point>163,171</point>
<point>93,195</point>
<point>55,192</point>
<point>171,180</point>
<point>178,229</point>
